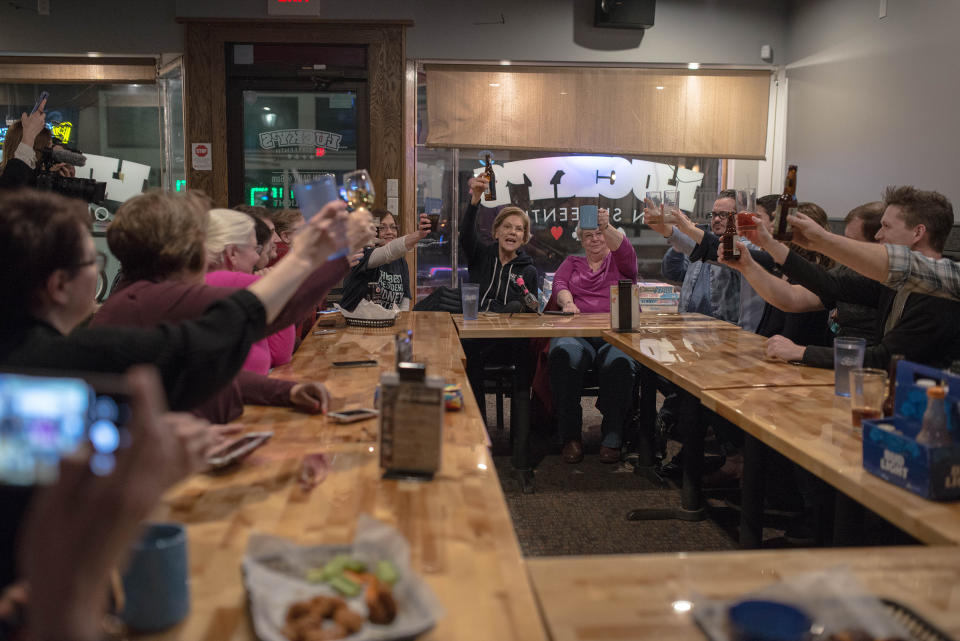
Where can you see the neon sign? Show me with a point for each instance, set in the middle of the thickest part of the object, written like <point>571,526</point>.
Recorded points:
<point>260,195</point>
<point>61,130</point>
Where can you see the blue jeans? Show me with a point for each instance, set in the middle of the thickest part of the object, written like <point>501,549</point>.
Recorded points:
<point>569,360</point>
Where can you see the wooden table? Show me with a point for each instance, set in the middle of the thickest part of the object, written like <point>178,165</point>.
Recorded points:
<point>613,598</point>
<point>697,359</point>
<point>811,426</point>
<point>460,533</point>
<point>579,325</point>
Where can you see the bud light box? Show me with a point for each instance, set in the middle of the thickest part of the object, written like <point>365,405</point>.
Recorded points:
<point>890,449</point>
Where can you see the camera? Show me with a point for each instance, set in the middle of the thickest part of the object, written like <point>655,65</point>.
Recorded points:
<point>86,189</point>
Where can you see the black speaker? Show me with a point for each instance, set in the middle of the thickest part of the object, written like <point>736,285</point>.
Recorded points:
<point>624,14</point>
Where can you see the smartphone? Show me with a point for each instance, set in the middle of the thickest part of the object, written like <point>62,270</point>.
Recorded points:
<point>588,217</point>
<point>237,449</point>
<point>45,418</point>
<point>557,312</point>
<point>43,96</point>
<point>355,363</point>
<point>349,416</point>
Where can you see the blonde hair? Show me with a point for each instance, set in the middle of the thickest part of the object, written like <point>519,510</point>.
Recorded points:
<point>226,227</point>
<point>157,234</point>
<point>512,211</point>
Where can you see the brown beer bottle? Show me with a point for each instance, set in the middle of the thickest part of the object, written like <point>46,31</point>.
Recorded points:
<point>729,238</point>
<point>786,205</point>
<point>888,403</point>
<point>491,192</point>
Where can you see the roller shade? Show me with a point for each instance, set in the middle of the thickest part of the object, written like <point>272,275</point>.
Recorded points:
<point>703,113</point>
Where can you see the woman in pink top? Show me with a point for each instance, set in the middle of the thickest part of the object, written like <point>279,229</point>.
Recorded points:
<point>582,284</point>
<point>231,258</point>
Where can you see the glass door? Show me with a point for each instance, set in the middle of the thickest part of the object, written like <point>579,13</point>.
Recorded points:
<point>173,173</point>
<point>285,134</point>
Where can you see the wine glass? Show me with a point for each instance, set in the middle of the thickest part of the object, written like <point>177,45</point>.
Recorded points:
<point>358,190</point>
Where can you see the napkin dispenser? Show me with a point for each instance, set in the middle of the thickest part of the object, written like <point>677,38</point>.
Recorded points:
<point>625,306</point>
<point>411,422</point>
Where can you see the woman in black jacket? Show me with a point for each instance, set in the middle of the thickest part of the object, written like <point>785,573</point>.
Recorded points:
<point>496,267</point>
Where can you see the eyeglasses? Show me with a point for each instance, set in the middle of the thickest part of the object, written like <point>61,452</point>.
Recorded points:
<point>721,214</point>
<point>100,260</point>
<point>388,228</point>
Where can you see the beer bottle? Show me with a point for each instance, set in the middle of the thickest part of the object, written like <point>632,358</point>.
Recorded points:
<point>729,238</point>
<point>889,405</point>
<point>491,192</point>
<point>786,205</point>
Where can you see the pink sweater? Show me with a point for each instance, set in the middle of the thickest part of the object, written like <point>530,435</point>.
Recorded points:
<point>591,290</point>
<point>267,353</point>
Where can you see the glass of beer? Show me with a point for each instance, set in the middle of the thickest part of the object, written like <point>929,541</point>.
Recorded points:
<point>868,387</point>
<point>746,208</point>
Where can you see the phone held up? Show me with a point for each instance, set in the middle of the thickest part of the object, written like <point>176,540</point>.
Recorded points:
<point>45,418</point>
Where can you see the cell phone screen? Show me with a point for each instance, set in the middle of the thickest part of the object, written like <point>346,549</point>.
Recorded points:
<point>354,412</point>
<point>588,217</point>
<point>43,419</point>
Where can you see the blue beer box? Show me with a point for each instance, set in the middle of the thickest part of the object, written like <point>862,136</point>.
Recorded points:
<point>896,457</point>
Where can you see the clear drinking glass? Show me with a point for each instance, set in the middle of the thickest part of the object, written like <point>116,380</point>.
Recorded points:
<point>671,203</point>
<point>654,198</point>
<point>358,189</point>
<point>470,300</point>
<point>868,387</point>
<point>746,208</point>
<point>847,356</point>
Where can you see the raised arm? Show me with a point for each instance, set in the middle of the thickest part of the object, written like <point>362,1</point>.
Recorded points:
<point>776,291</point>
<point>869,259</point>
<point>468,225</point>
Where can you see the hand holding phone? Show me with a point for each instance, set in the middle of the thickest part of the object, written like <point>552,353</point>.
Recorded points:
<point>41,102</point>
<point>588,217</point>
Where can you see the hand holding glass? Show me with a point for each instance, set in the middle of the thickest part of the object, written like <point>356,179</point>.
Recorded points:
<point>746,208</point>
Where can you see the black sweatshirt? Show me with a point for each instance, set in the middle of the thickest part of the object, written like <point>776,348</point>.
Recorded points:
<point>927,332</point>
<point>483,264</point>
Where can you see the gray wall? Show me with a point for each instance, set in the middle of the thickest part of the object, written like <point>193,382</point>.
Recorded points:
<point>708,31</point>
<point>872,102</point>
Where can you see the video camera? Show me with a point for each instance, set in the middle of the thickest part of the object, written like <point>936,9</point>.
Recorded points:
<point>87,189</point>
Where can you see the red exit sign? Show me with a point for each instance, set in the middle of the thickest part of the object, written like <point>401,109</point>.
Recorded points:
<point>294,7</point>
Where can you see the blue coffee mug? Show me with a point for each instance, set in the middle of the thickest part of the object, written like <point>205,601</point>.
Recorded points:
<point>156,584</point>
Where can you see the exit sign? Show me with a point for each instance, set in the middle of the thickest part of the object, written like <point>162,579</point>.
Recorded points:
<point>294,7</point>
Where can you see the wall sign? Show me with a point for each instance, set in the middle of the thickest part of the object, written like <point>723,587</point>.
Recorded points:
<point>201,156</point>
<point>300,140</point>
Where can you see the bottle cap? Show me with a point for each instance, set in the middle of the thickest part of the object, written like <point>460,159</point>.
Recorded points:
<point>936,392</point>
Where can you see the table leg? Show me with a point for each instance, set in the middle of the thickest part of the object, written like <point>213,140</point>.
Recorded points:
<point>751,516</point>
<point>692,507</point>
<point>647,414</point>
<point>520,417</point>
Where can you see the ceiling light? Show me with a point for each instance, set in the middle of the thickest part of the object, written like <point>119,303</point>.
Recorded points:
<point>481,466</point>
<point>660,88</point>
<point>682,606</point>
<point>693,65</point>
<point>505,62</point>
<point>494,84</point>
<point>563,93</point>
<point>266,108</point>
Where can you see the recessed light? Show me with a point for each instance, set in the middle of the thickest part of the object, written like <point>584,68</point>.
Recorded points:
<point>682,606</point>
<point>659,87</point>
<point>693,65</point>
<point>494,84</point>
<point>481,466</point>
<point>266,108</point>
<point>505,62</point>
<point>563,93</point>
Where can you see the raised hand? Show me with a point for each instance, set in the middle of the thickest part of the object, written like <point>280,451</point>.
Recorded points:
<point>741,264</point>
<point>806,232</point>
<point>33,124</point>
<point>603,219</point>
<point>360,230</point>
<point>653,217</point>
<point>478,185</point>
<point>324,235</point>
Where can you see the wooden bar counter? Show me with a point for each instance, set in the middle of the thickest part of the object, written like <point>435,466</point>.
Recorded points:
<point>459,530</point>
<point>613,598</point>
<point>811,426</point>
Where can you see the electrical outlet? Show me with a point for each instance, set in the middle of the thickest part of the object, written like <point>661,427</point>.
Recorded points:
<point>43,7</point>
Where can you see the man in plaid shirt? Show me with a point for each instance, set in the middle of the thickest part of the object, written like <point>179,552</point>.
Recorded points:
<point>896,266</point>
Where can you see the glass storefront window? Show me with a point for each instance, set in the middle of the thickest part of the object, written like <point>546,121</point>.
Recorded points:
<point>290,134</point>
